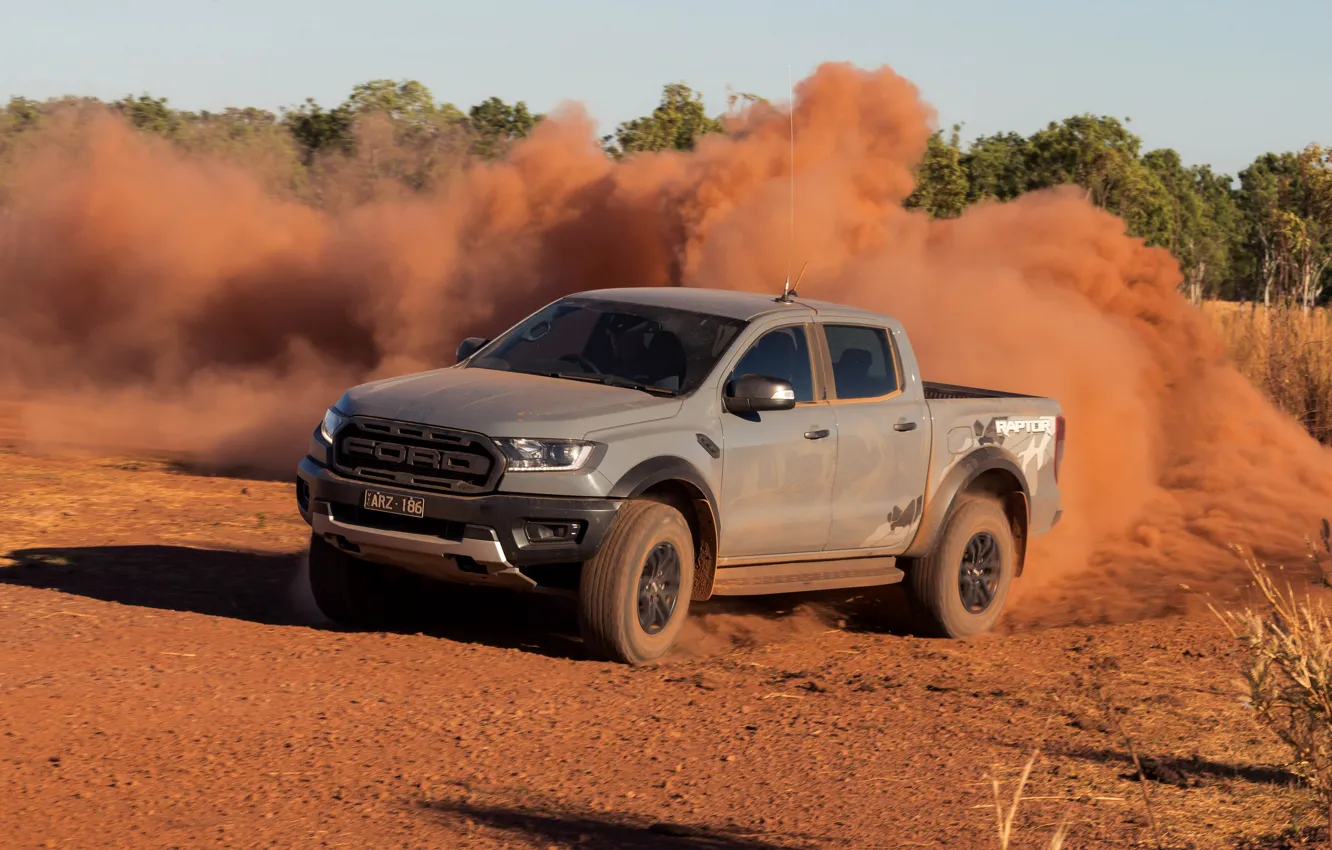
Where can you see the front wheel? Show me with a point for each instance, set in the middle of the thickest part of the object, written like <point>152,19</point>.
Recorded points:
<point>634,593</point>
<point>959,588</point>
<point>352,592</point>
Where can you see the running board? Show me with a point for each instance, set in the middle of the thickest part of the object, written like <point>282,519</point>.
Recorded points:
<point>809,575</point>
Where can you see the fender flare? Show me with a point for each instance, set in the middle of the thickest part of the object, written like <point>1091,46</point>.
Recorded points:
<point>657,470</point>
<point>956,481</point>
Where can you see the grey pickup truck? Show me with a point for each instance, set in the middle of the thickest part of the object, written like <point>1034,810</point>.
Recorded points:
<point>639,449</point>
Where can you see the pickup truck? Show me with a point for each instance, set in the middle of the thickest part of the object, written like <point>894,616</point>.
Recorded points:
<point>640,449</point>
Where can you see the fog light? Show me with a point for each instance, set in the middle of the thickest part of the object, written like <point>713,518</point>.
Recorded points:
<point>546,531</point>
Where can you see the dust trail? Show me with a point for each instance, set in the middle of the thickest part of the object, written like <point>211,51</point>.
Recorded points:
<point>168,301</point>
<point>715,629</point>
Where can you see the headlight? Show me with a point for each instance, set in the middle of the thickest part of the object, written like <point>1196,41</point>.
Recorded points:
<point>332,422</point>
<point>527,455</point>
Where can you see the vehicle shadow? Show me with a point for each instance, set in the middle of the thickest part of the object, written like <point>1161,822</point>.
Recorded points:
<point>273,589</point>
<point>597,831</point>
<point>242,585</point>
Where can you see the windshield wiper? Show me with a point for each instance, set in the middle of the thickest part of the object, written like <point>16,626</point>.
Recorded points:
<point>610,381</point>
<point>617,381</point>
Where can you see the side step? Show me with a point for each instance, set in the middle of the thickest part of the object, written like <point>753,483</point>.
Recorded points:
<point>808,575</point>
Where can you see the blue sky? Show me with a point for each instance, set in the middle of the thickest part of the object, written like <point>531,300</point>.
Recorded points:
<point>1219,80</point>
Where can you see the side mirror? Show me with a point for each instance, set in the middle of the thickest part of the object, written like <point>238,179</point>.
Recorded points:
<point>470,346</point>
<point>757,393</point>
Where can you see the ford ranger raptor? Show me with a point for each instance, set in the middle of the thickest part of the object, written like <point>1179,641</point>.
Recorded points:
<point>641,449</point>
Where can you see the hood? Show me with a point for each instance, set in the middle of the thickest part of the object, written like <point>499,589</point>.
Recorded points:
<point>505,404</point>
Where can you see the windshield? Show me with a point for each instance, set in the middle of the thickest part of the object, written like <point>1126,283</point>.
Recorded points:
<point>656,349</point>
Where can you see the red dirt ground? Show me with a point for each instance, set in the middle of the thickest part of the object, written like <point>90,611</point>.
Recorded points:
<point>163,683</point>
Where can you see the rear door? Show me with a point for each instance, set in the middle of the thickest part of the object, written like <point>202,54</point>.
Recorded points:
<point>778,466</point>
<point>883,434</point>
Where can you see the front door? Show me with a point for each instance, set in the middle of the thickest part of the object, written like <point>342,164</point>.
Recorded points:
<point>883,437</point>
<point>778,466</point>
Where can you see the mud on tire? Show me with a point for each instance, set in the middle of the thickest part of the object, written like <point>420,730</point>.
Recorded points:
<point>959,589</point>
<point>353,592</point>
<point>633,596</point>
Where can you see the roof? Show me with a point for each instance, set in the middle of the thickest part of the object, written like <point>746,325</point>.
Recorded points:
<point>720,302</point>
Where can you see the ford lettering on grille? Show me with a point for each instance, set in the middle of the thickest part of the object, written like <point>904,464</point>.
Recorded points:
<point>417,456</point>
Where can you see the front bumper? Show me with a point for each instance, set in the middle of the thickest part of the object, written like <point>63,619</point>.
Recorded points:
<point>464,532</point>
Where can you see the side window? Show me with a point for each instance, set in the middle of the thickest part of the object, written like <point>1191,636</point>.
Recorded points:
<point>862,361</point>
<point>781,353</point>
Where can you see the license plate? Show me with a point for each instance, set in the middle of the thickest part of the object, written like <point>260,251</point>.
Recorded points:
<point>391,503</point>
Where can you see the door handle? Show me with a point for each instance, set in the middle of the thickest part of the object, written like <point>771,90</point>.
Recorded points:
<point>905,426</point>
<point>817,435</point>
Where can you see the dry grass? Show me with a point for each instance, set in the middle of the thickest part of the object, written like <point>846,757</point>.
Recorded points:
<point>1287,674</point>
<point>1004,819</point>
<point>1286,353</point>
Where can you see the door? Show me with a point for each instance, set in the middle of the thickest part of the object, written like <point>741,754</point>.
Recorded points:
<point>778,466</point>
<point>883,442</point>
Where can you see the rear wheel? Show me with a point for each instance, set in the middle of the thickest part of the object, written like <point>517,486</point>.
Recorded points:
<point>634,593</point>
<point>353,592</point>
<point>959,589</point>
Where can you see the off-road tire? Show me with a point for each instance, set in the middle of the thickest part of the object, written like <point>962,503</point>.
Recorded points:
<point>352,592</point>
<point>608,590</point>
<point>933,582</point>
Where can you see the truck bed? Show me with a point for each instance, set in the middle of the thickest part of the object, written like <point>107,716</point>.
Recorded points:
<point>943,391</point>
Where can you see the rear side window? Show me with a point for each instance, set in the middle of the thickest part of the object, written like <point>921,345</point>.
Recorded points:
<point>782,353</point>
<point>862,361</point>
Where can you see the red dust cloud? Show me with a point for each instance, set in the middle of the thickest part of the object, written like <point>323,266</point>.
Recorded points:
<point>161,301</point>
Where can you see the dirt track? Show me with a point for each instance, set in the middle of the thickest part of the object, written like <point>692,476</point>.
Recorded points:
<point>163,685</point>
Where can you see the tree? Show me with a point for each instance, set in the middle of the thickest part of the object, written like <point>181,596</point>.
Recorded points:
<point>1198,222</point>
<point>1259,200</point>
<point>996,167</point>
<point>1306,223</point>
<point>734,99</point>
<point>676,124</point>
<point>1100,155</point>
<point>23,113</point>
<point>149,114</point>
<point>1096,153</point>
<point>317,129</point>
<point>1220,235</point>
<point>408,101</point>
<point>941,180</point>
<point>497,125</point>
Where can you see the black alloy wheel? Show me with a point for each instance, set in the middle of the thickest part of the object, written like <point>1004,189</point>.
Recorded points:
<point>978,574</point>
<point>659,588</point>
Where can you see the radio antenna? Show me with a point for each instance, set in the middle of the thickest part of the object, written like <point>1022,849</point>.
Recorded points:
<point>789,289</point>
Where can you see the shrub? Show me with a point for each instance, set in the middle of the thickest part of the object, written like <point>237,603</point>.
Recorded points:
<point>1287,673</point>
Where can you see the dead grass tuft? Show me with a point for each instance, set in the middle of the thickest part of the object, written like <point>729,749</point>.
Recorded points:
<point>1286,353</point>
<point>1004,819</point>
<point>1287,673</point>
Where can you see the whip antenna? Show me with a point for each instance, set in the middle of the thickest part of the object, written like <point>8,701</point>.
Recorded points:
<point>789,289</point>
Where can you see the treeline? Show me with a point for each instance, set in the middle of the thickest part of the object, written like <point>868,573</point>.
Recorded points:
<point>1265,236</point>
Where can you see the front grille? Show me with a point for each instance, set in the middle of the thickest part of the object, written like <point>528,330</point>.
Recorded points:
<point>417,456</point>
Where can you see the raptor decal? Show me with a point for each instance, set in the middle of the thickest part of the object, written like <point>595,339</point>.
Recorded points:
<point>986,434</point>
<point>905,517</point>
<point>1030,439</point>
<point>1040,425</point>
<point>1035,451</point>
<point>897,525</point>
